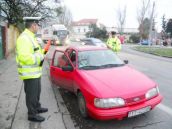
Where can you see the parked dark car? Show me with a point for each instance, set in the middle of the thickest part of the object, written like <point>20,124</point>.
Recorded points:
<point>93,42</point>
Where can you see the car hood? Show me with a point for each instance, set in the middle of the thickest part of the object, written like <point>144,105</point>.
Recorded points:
<point>117,82</point>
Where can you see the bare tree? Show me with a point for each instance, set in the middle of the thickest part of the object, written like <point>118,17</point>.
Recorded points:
<point>64,16</point>
<point>11,9</point>
<point>164,22</point>
<point>142,13</point>
<point>146,25</point>
<point>36,8</point>
<point>15,10</point>
<point>121,16</point>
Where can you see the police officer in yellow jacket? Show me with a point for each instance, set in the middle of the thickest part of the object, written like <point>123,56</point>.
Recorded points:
<point>29,58</point>
<point>113,42</point>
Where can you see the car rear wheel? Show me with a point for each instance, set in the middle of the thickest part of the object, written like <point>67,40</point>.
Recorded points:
<point>82,105</point>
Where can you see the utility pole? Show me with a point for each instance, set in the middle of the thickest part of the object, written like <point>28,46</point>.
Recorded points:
<point>151,23</point>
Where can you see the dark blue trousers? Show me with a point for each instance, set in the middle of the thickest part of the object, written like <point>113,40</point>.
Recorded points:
<point>32,88</point>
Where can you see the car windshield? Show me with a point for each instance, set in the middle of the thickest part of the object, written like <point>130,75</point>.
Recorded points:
<point>62,32</point>
<point>98,59</point>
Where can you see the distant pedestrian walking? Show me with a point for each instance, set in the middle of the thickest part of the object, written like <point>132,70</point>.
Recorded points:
<point>29,58</point>
<point>122,39</point>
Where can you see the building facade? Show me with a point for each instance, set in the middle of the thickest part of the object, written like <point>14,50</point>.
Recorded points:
<point>81,27</point>
<point>125,30</point>
<point>8,37</point>
<point>3,24</point>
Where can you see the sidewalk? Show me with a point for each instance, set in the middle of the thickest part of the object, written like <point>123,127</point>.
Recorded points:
<point>13,111</point>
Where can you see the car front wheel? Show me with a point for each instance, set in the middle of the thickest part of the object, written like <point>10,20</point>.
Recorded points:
<point>82,105</point>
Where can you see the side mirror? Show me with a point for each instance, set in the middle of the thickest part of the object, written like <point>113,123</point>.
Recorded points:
<point>126,61</point>
<point>67,68</point>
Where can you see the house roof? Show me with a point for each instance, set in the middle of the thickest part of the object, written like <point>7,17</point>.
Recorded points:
<point>84,22</point>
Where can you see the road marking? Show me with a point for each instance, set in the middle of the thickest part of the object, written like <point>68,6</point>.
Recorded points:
<point>165,109</point>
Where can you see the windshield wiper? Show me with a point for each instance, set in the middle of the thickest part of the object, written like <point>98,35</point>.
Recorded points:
<point>111,65</point>
<point>90,67</point>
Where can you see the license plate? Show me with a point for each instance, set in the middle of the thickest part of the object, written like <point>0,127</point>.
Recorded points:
<point>138,112</point>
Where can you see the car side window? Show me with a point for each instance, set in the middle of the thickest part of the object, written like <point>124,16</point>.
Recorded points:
<point>68,51</point>
<point>88,42</point>
<point>60,60</point>
<point>73,57</point>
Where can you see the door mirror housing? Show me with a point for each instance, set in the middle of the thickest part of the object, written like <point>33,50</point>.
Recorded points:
<point>67,68</point>
<point>126,61</point>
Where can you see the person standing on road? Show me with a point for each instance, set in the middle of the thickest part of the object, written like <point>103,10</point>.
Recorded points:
<point>29,58</point>
<point>113,42</point>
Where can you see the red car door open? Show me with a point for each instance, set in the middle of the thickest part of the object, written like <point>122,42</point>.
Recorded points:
<point>62,77</point>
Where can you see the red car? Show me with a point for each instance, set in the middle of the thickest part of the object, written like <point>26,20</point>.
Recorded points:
<point>106,87</point>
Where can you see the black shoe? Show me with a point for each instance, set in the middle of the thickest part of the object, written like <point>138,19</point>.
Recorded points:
<point>42,110</point>
<point>36,118</point>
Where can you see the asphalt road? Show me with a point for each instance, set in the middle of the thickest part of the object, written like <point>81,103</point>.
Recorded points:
<point>157,68</point>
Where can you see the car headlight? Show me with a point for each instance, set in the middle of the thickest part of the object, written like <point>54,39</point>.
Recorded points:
<point>109,103</point>
<point>152,93</point>
<point>57,41</point>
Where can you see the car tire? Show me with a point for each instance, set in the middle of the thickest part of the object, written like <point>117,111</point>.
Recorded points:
<point>82,105</point>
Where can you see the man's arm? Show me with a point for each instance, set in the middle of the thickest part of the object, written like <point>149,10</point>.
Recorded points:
<point>45,50</point>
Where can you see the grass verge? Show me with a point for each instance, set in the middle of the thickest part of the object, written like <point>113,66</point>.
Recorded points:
<point>160,51</point>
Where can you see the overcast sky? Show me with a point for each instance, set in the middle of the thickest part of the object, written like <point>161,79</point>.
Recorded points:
<point>105,10</point>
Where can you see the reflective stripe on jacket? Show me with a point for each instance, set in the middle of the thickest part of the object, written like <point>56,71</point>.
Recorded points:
<point>114,44</point>
<point>28,56</point>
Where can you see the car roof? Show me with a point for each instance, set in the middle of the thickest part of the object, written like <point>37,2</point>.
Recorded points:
<point>81,48</point>
<point>90,39</point>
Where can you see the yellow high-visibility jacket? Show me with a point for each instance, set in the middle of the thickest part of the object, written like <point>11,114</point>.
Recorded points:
<point>29,55</point>
<point>114,44</point>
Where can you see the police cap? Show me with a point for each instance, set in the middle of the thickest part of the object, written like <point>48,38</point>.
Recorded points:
<point>113,33</point>
<point>32,19</point>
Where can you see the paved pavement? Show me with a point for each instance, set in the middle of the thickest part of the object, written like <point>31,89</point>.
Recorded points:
<point>13,111</point>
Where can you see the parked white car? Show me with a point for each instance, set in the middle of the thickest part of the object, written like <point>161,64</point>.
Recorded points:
<point>93,42</point>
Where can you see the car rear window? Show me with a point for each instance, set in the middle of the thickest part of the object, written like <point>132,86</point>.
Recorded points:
<point>96,41</point>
